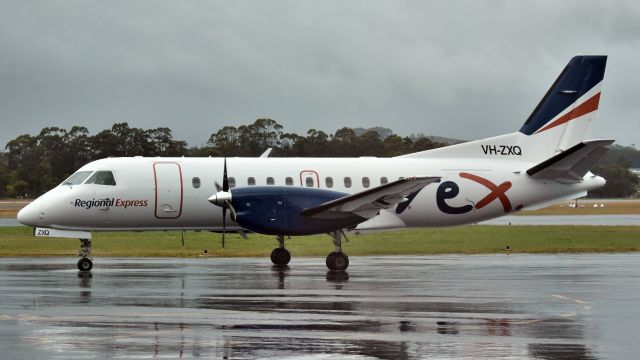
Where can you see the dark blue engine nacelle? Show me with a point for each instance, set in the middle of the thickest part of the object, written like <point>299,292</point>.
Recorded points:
<point>275,210</point>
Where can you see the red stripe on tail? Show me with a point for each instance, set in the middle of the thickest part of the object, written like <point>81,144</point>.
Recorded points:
<point>582,109</point>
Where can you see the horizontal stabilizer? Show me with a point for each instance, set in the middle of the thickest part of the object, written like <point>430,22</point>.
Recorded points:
<point>369,202</point>
<point>571,165</point>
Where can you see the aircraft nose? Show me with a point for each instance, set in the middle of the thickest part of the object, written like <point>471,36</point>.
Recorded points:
<point>29,215</point>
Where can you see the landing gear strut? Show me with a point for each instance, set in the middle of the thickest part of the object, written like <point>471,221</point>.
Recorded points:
<point>280,256</point>
<point>337,260</point>
<point>85,263</point>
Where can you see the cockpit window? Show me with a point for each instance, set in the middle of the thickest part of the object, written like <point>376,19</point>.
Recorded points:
<point>77,178</point>
<point>102,178</point>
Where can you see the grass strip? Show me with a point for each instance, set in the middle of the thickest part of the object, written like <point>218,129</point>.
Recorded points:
<point>472,239</point>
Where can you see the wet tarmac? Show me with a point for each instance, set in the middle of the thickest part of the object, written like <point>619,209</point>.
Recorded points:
<point>7,222</point>
<point>443,307</point>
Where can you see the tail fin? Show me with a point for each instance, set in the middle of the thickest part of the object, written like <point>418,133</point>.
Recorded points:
<point>574,94</point>
<point>561,120</point>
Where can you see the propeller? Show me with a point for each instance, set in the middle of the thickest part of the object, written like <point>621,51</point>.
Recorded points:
<point>223,199</point>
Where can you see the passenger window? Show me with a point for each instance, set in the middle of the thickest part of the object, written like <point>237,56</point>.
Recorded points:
<point>270,181</point>
<point>232,182</point>
<point>329,181</point>
<point>102,178</point>
<point>309,181</point>
<point>366,182</point>
<point>195,182</point>
<point>251,180</point>
<point>288,181</point>
<point>77,178</point>
<point>347,182</point>
<point>383,180</point>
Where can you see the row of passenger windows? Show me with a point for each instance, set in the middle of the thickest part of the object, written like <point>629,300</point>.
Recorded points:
<point>309,181</point>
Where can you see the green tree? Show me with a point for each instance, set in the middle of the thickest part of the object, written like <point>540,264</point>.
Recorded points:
<point>226,141</point>
<point>621,182</point>
<point>343,143</point>
<point>395,145</point>
<point>369,144</point>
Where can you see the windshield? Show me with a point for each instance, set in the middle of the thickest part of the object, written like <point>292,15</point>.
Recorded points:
<point>102,178</point>
<point>77,178</point>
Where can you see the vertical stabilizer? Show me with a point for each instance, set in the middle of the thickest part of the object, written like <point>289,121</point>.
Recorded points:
<point>563,117</point>
<point>561,120</point>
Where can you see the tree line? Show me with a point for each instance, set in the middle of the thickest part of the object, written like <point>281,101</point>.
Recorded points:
<point>33,164</point>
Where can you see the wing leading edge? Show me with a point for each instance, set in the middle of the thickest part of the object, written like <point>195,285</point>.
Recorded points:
<point>368,203</point>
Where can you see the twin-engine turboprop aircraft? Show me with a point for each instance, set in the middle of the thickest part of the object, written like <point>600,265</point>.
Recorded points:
<point>546,161</point>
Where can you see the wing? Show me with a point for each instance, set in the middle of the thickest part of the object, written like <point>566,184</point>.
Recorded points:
<point>368,203</point>
<point>572,164</point>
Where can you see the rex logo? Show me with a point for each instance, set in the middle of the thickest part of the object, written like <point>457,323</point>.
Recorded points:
<point>449,190</point>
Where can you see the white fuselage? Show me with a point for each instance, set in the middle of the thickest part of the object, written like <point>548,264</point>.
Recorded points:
<point>172,193</point>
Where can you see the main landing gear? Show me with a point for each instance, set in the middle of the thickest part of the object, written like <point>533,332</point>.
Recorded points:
<point>337,260</point>
<point>280,256</point>
<point>85,264</point>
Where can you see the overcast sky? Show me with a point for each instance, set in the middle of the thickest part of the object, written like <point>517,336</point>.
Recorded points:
<point>461,69</point>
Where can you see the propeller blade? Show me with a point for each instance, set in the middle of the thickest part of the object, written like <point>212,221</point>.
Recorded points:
<point>229,205</point>
<point>224,224</point>
<point>218,187</point>
<point>225,180</point>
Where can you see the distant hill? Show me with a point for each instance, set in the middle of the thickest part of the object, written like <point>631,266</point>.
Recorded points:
<point>384,132</point>
<point>442,139</point>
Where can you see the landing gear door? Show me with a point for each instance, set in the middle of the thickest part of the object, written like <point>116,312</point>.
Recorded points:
<point>168,188</point>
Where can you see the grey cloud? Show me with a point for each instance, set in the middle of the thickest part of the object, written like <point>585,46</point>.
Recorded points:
<point>464,69</point>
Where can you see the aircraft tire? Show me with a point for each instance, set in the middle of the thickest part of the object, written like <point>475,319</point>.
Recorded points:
<point>85,264</point>
<point>337,261</point>
<point>280,256</point>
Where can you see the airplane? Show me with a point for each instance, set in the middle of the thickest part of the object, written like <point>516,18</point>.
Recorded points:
<point>548,160</point>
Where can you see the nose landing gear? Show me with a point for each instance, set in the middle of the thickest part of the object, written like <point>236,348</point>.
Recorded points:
<point>85,264</point>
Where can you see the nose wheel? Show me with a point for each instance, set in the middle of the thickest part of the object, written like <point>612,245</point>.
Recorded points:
<point>85,264</point>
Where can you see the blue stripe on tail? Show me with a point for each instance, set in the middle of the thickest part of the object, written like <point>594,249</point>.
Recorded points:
<point>578,77</point>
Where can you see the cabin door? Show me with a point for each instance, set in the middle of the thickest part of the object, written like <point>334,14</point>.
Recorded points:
<point>168,187</point>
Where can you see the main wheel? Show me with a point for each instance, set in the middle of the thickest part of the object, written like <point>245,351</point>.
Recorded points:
<point>280,256</point>
<point>85,264</point>
<point>337,261</point>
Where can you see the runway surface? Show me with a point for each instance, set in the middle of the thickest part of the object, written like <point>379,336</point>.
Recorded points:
<point>462,307</point>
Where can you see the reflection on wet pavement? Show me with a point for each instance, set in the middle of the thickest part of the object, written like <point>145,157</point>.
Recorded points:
<point>470,307</point>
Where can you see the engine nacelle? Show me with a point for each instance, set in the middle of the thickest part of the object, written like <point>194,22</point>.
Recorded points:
<point>275,210</point>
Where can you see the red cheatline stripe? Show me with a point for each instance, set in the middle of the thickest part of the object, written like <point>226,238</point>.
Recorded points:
<point>582,109</point>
